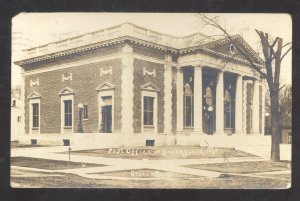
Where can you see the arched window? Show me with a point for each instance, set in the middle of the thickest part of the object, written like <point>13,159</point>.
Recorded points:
<point>188,106</point>
<point>228,113</point>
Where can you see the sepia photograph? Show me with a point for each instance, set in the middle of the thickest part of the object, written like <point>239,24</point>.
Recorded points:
<point>151,100</point>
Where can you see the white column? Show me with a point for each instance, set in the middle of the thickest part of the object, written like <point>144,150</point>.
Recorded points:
<point>220,104</point>
<point>263,108</point>
<point>127,90</point>
<point>255,108</point>
<point>239,105</point>
<point>22,103</point>
<point>179,89</point>
<point>168,96</point>
<point>198,99</point>
<point>244,106</point>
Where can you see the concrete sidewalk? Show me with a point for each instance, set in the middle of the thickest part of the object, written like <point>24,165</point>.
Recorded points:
<point>117,164</point>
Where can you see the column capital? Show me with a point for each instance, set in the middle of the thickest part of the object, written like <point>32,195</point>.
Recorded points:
<point>127,49</point>
<point>168,57</point>
<point>198,67</point>
<point>239,76</point>
<point>256,81</point>
<point>178,69</point>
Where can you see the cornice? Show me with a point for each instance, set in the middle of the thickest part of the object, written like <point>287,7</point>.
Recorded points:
<point>135,35</point>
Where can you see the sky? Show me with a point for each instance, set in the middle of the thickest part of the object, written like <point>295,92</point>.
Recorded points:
<point>34,29</point>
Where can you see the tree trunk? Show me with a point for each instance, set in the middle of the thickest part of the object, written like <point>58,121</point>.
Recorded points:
<point>276,126</point>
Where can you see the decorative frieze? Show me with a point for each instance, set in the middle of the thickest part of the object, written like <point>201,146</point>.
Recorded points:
<point>105,71</point>
<point>66,77</point>
<point>35,83</point>
<point>150,73</point>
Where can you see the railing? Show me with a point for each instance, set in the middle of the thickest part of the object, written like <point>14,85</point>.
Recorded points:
<point>126,29</point>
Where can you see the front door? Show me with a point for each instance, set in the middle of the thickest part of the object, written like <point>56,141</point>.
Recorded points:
<point>106,123</point>
<point>209,102</point>
<point>208,122</point>
<point>208,111</point>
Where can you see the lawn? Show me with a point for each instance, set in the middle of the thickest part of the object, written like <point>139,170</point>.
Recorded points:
<point>244,167</point>
<point>168,152</point>
<point>48,164</point>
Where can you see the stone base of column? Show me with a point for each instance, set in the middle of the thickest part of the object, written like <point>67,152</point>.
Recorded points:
<point>255,133</point>
<point>198,132</point>
<point>219,133</point>
<point>180,132</point>
<point>239,133</point>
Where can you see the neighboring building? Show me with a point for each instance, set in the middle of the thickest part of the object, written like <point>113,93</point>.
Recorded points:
<point>286,134</point>
<point>286,131</point>
<point>16,115</point>
<point>135,85</point>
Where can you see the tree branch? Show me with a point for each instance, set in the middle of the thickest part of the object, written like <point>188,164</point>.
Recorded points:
<point>290,48</point>
<point>211,22</point>
<point>275,41</point>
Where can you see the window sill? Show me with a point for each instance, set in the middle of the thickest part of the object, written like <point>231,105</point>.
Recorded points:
<point>85,119</point>
<point>67,127</point>
<point>148,126</point>
<point>35,128</point>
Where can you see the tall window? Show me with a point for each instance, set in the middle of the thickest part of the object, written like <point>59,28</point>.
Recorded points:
<point>148,110</point>
<point>228,113</point>
<point>35,115</point>
<point>85,112</point>
<point>68,112</point>
<point>188,106</point>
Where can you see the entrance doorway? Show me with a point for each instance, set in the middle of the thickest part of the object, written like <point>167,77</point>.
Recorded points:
<point>106,115</point>
<point>209,101</point>
<point>208,111</point>
<point>106,123</point>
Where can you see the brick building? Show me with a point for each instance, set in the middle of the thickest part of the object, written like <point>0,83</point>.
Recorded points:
<point>135,85</point>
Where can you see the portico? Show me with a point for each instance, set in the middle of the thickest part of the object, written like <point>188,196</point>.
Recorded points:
<point>210,101</point>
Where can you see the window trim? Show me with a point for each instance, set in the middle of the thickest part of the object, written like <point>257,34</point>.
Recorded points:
<point>35,115</point>
<point>68,113</point>
<point>64,128</point>
<point>103,93</point>
<point>34,130</point>
<point>152,94</point>
<point>185,95</point>
<point>148,111</point>
<point>85,108</point>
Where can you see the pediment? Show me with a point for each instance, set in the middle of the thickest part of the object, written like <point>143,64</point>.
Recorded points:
<point>149,87</point>
<point>105,86</point>
<point>66,91</point>
<point>34,95</point>
<point>227,47</point>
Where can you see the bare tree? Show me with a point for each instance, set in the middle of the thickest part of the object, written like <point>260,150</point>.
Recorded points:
<point>274,52</point>
<point>285,103</point>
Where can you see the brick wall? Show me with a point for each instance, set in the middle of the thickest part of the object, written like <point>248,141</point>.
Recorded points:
<point>139,80</point>
<point>85,80</point>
